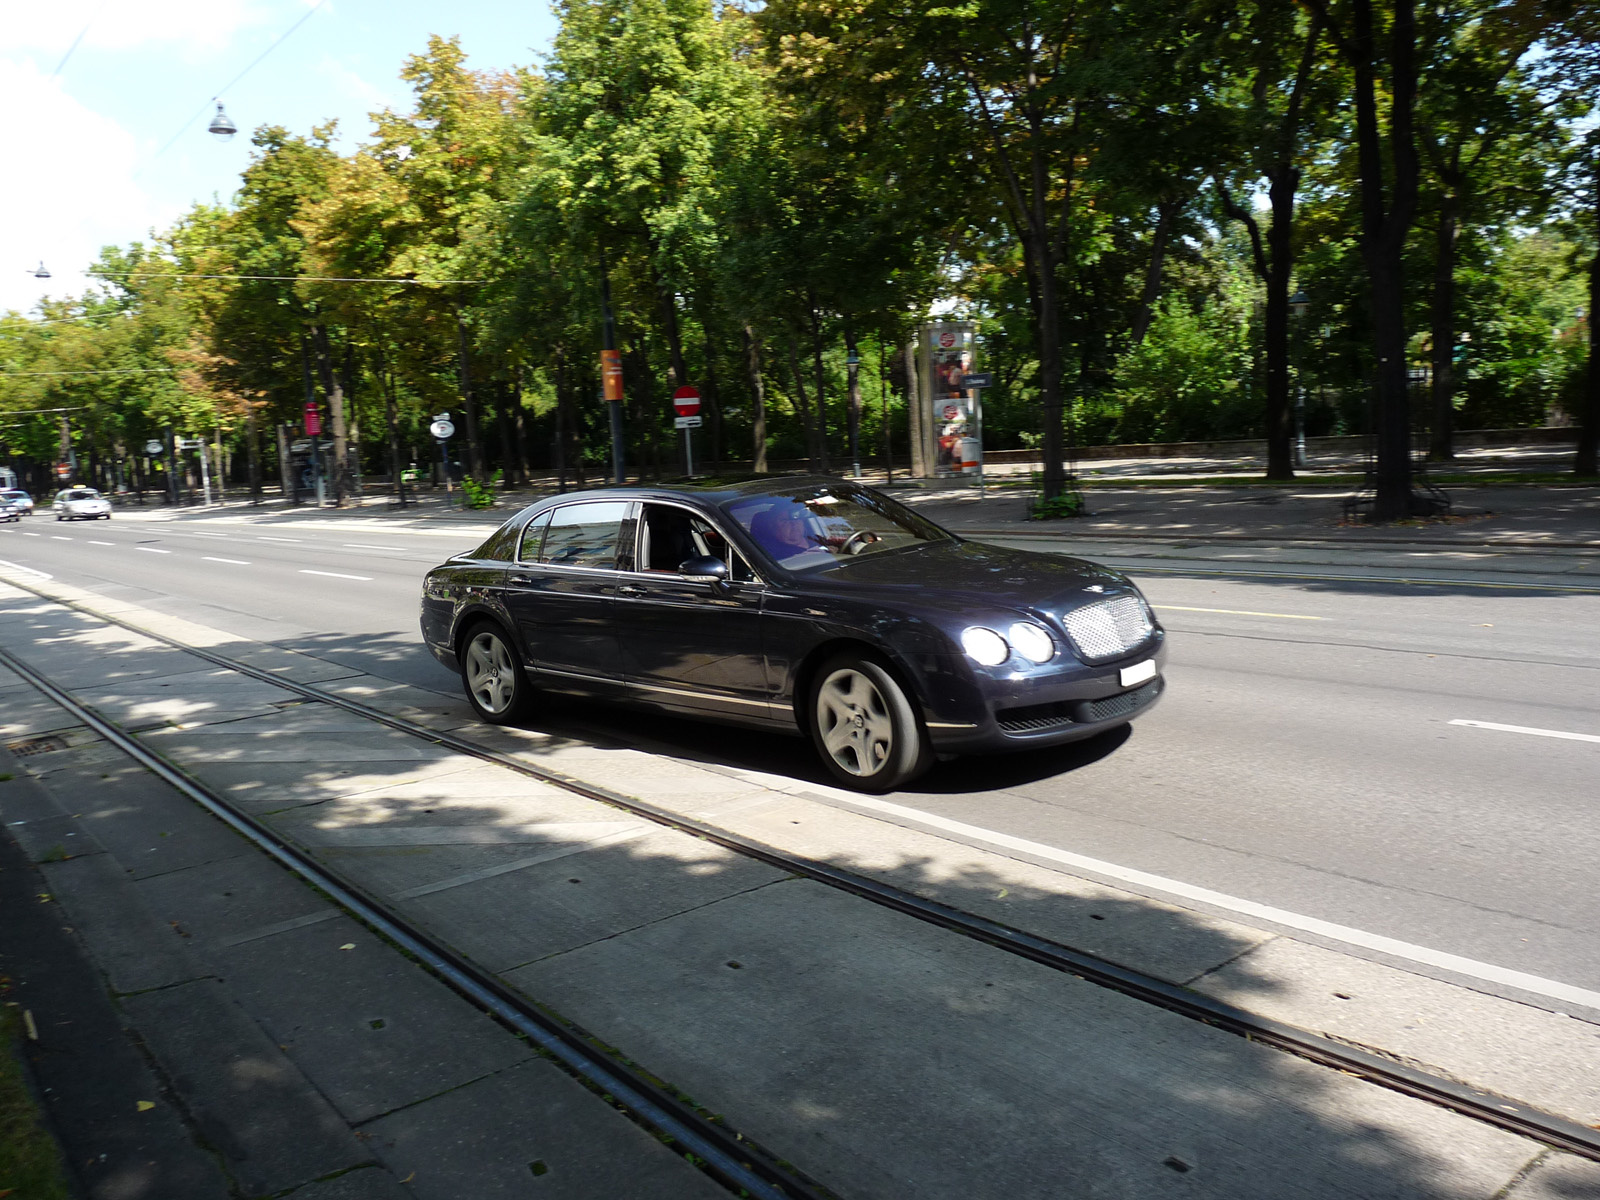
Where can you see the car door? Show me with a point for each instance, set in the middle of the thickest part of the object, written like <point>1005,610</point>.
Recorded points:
<point>691,645</point>
<point>561,592</point>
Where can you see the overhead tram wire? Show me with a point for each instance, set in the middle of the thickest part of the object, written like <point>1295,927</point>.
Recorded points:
<point>282,37</point>
<point>72,49</point>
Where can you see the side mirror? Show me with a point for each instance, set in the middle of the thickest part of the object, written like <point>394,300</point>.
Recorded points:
<point>703,568</point>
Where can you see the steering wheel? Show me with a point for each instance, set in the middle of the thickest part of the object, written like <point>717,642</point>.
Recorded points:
<point>865,538</point>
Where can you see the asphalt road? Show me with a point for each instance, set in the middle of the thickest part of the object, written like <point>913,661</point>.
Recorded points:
<point>1305,756</point>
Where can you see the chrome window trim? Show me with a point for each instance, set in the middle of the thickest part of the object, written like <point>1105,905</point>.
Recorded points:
<point>733,546</point>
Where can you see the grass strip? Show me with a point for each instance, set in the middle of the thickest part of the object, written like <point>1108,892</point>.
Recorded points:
<point>30,1160</point>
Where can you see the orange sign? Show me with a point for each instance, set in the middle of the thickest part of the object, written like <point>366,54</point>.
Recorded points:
<point>611,373</point>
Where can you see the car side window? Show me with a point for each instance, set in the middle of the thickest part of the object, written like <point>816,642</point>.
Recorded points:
<point>672,535</point>
<point>533,538</point>
<point>585,535</point>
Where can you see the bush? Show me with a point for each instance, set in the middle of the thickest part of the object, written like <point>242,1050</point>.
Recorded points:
<point>481,495</point>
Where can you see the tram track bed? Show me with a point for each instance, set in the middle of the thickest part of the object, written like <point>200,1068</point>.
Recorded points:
<point>872,1045</point>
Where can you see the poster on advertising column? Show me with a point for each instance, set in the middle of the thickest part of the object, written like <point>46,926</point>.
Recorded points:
<point>954,423</point>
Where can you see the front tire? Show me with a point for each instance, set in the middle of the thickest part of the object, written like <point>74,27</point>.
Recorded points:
<point>865,727</point>
<point>496,686</point>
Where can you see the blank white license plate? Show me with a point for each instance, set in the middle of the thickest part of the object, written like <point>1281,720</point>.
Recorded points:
<point>1137,673</point>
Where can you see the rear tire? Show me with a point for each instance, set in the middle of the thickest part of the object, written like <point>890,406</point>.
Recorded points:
<point>864,726</point>
<point>495,683</point>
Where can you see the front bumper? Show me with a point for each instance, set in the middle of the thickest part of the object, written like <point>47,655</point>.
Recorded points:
<point>1064,702</point>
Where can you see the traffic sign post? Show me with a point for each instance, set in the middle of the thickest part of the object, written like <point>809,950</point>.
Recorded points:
<point>686,402</point>
<point>443,429</point>
<point>314,432</point>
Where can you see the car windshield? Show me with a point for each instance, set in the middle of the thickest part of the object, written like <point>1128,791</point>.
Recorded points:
<point>818,525</point>
<point>85,494</point>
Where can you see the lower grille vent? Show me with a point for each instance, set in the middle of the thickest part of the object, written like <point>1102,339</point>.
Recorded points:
<point>1036,718</point>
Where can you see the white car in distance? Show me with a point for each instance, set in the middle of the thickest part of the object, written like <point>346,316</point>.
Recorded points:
<point>75,504</point>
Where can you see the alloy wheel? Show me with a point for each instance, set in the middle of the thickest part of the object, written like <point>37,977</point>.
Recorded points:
<point>857,730</point>
<point>491,673</point>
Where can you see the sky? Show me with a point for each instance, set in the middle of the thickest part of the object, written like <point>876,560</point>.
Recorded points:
<point>99,153</point>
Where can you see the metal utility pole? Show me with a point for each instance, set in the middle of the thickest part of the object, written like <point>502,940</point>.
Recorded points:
<point>611,370</point>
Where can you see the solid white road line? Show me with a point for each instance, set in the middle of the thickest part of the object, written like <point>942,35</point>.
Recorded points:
<point>25,570</point>
<point>1470,967</point>
<point>336,575</point>
<point>152,550</point>
<point>1550,733</point>
<point>1236,612</point>
<point>236,562</point>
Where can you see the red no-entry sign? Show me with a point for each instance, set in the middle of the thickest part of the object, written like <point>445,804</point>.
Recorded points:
<point>687,401</point>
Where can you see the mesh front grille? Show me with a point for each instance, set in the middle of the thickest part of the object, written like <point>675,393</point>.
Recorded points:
<point>1110,628</point>
<point>1123,704</point>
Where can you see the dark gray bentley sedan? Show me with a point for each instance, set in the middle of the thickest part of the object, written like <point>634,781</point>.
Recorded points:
<point>804,605</point>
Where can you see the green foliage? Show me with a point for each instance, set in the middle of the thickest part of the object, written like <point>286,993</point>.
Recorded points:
<point>1189,380</point>
<point>1069,503</point>
<point>30,1162</point>
<point>481,495</point>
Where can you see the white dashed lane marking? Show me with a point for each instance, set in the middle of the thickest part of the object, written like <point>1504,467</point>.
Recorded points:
<point>1528,729</point>
<point>235,562</point>
<point>152,550</point>
<point>337,575</point>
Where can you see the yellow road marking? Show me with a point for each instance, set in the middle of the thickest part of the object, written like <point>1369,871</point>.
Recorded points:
<point>1237,612</point>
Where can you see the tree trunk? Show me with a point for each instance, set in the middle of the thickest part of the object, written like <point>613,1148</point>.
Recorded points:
<point>758,393</point>
<point>1385,223</point>
<point>391,418</point>
<point>1280,268</point>
<point>1166,211</point>
<point>916,413</point>
<point>854,367</point>
<point>335,393</point>
<point>508,433</point>
<point>524,468</point>
<point>252,434</point>
<point>285,465</point>
<point>1441,444</point>
<point>469,402</point>
<point>813,456</point>
<point>816,363</point>
<point>1589,423</point>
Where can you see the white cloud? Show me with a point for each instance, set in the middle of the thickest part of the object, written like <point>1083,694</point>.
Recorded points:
<point>47,30</point>
<point>69,187</point>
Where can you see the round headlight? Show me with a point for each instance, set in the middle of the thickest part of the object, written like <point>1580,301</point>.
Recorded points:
<point>1033,642</point>
<point>985,646</point>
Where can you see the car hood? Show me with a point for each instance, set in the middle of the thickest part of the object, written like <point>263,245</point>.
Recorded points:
<point>977,574</point>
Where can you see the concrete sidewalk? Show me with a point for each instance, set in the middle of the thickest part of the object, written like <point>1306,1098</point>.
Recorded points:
<point>880,1055</point>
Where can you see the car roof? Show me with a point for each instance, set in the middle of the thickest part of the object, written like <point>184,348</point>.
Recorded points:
<point>710,495</point>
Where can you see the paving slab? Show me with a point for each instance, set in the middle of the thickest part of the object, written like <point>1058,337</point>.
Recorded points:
<point>871,1048</point>
<point>274,1130</point>
<point>136,951</point>
<point>265,787</point>
<point>368,1183</point>
<point>1558,1177</point>
<point>1543,1058</point>
<point>594,893</point>
<point>224,902</point>
<point>369,1029</point>
<point>262,743</point>
<point>30,715</point>
<point>529,1132</point>
<point>148,827</point>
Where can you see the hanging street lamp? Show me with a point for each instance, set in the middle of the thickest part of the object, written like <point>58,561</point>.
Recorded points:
<point>40,273</point>
<point>221,127</point>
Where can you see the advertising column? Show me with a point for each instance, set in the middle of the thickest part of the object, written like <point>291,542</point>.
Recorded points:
<point>952,445</point>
